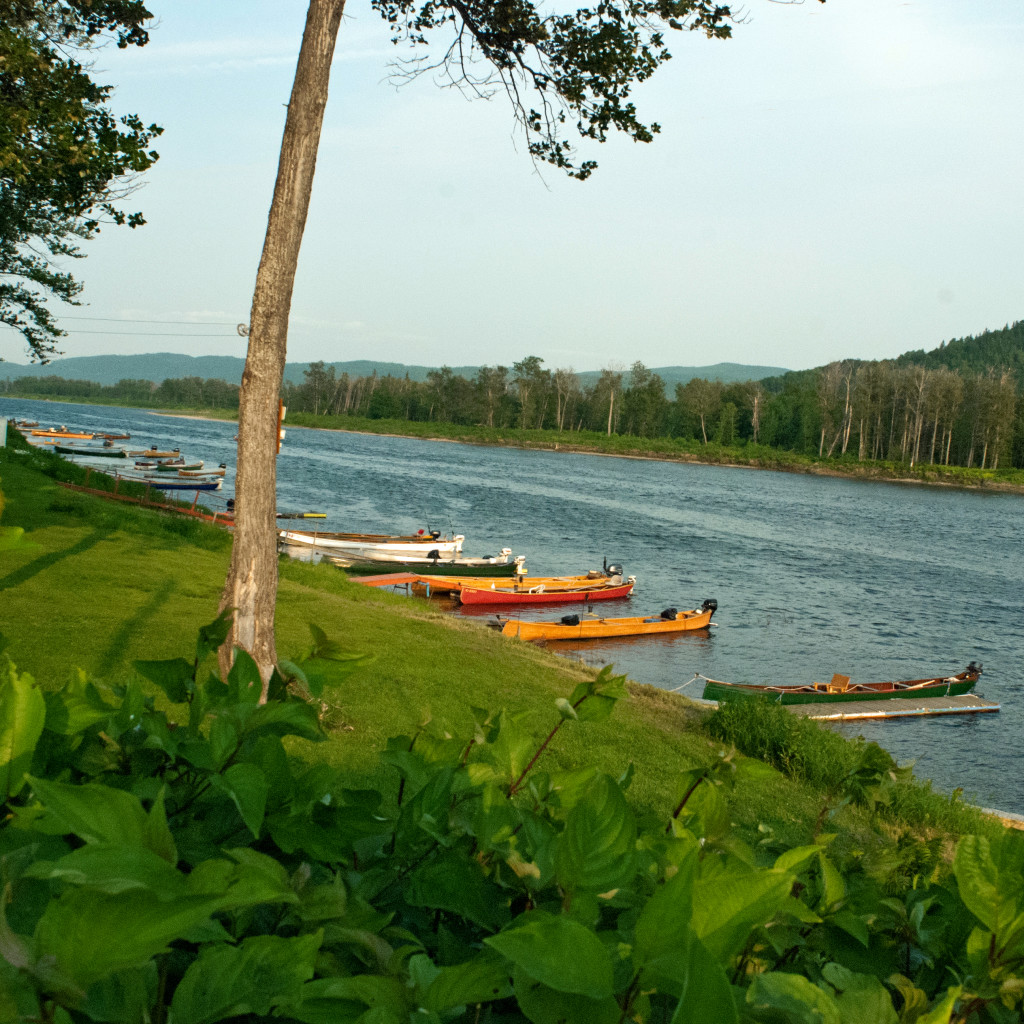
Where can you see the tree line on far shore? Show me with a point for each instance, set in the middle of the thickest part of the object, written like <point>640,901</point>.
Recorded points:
<point>880,411</point>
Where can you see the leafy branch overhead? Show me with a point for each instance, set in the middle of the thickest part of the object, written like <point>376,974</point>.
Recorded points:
<point>66,160</point>
<point>577,66</point>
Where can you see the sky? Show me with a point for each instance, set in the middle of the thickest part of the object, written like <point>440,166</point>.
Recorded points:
<point>835,181</point>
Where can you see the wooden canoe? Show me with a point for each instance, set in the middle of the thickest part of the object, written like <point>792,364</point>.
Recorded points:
<point>473,595</point>
<point>452,584</point>
<point>77,435</point>
<point>840,690</point>
<point>175,465</point>
<point>153,453</point>
<point>575,627</point>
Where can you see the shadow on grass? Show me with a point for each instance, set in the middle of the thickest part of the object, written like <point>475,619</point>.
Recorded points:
<point>112,656</point>
<point>33,568</point>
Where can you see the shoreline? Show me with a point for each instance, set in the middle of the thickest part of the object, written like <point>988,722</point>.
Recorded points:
<point>811,469</point>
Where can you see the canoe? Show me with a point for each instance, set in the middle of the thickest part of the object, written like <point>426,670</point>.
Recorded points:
<point>452,584</point>
<point>175,483</point>
<point>94,451</point>
<point>153,453</point>
<point>499,567</point>
<point>472,595</point>
<point>199,471</point>
<point>76,435</point>
<point>376,545</point>
<point>173,465</point>
<point>575,627</point>
<point>840,690</point>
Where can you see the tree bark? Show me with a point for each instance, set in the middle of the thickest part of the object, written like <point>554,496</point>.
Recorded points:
<point>251,586</point>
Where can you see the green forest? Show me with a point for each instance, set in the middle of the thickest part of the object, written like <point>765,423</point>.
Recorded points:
<point>958,405</point>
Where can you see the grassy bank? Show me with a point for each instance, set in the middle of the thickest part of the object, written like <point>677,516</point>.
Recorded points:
<point>99,585</point>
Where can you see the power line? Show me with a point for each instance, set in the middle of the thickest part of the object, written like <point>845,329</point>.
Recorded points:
<point>151,334</point>
<point>128,320</point>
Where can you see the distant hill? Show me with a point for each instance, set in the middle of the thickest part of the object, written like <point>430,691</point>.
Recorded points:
<point>159,366</point>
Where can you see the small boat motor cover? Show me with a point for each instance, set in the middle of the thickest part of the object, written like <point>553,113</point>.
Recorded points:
<point>570,620</point>
<point>614,570</point>
<point>711,604</point>
<point>670,614</point>
<point>435,554</point>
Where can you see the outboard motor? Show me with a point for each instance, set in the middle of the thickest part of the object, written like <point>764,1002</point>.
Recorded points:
<point>435,554</point>
<point>435,534</point>
<point>613,570</point>
<point>670,614</point>
<point>709,605</point>
<point>570,620</point>
<point>974,669</point>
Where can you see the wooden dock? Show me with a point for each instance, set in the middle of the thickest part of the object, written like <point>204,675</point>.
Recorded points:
<point>895,707</point>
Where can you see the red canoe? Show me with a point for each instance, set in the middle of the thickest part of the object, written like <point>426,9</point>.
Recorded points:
<point>540,595</point>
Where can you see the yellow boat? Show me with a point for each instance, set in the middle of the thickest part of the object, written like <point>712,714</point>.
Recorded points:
<point>578,627</point>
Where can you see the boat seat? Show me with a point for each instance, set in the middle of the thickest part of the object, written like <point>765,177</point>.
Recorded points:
<point>839,684</point>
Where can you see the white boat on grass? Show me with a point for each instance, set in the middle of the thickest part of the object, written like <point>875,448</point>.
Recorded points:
<point>376,545</point>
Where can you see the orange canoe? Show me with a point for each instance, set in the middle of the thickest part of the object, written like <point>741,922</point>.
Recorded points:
<point>576,627</point>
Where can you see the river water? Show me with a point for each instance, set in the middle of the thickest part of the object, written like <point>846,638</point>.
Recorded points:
<point>813,575</point>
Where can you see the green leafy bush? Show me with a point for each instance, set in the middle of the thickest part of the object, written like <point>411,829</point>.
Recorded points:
<point>195,867</point>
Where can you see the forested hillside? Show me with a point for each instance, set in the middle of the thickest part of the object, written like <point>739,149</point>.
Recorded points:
<point>956,406</point>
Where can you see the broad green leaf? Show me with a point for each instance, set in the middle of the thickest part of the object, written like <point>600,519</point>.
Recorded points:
<point>94,813</point>
<point>861,998</point>
<point>223,739</point>
<point>663,928</point>
<point>212,635</point>
<point>557,951</point>
<point>244,679</point>
<point>480,980</point>
<point>799,1001</point>
<point>727,907</point>
<point>262,972</point>
<point>22,715</point>
<point>173,676</point>
<point>114,868</point>
<point>456,883</point>
<point>285,718</point>
<point>832,885</point>
<point>331,1000</point>
<point>544,1005</point>
<point>257,878</point>
<point>247,786</point>
<point>119,932</point>
<point>978,879</point>
<point>853,924</point>
<point>75,707</point>
<point>944,1008</point>
<point>596,852</point>
<point>125,997</point>
<point>157,834</point>
<point>706,994</point>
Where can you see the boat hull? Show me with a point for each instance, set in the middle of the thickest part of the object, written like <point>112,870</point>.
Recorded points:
<point>424,567</point>
<point>94,452</point>
<point>508,596</point>
<point>600,629</point>
<point>949,686</point>
<point>379,546</point>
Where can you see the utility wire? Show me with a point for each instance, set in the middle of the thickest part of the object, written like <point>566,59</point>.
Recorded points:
<point>128,320</point>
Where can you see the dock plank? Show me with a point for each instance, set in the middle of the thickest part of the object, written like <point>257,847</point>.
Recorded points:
<point>895,707</point>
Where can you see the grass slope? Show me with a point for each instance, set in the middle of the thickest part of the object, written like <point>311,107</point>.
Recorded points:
<point>99,585</point>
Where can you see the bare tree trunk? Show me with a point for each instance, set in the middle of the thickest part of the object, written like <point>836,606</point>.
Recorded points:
<point>611,405</point>
<point>251,586</point>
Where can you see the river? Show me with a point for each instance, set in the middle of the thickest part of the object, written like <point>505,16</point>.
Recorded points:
<point>813,575</point>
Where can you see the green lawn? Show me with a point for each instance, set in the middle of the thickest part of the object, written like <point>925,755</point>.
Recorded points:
<point>99,584</point>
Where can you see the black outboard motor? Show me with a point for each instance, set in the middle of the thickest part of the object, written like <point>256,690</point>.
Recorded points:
<point>613,570</point>
<point>709,605</point>
<point>974,669</point>
<point>435,534</point>
<point>670,614</point>
<point>435,554</point>
<point>570,620</point>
